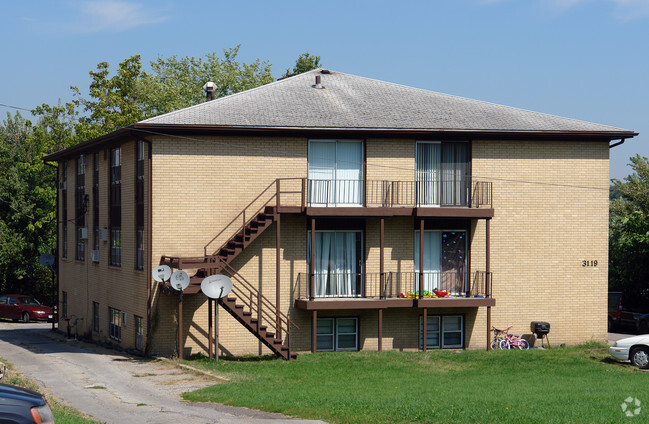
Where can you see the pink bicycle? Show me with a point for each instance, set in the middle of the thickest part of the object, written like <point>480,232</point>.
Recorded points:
<point>511,341</point>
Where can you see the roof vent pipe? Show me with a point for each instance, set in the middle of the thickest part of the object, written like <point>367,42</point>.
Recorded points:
<point>209,88</point>
<point>318,82</point>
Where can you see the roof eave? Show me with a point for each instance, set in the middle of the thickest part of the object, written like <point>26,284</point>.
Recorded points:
<point>140,130</point>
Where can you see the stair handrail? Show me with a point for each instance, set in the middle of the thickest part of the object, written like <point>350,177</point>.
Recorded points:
<point>264,301</point>
<point>245,222</point>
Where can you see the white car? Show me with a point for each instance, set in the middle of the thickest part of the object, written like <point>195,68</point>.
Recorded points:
<point>634,349</point>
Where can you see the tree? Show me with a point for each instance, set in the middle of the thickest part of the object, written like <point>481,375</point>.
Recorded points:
<point>304,63</point>
<point>113,101</point>
<point>629,231</point>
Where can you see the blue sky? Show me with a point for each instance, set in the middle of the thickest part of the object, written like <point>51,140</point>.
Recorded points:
<point>583,59</point>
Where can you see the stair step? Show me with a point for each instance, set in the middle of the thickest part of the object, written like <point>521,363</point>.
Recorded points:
<point>247,314</point>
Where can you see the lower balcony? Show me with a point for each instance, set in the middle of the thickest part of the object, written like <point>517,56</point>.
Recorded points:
<point>436,289</point>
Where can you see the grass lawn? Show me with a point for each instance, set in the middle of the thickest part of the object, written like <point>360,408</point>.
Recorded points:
<point>572,385</point>
<point>63,414</point>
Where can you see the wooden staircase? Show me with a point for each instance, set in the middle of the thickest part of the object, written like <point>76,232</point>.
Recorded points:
<point>245,303</point>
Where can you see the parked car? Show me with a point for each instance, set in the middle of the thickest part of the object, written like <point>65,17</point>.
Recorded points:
<point>19,405</point>
<point>25,308</point>
<point>634,349</point>
<point>627,311</point>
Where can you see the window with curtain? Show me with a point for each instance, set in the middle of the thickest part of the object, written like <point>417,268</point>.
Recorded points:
<point>441,173</point>
<point>335,173</point>
<point>337,263</point>
<point>444,261</point>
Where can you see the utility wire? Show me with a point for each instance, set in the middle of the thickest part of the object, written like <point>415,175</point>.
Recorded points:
<point>15,107</point>
<point>375,165</point>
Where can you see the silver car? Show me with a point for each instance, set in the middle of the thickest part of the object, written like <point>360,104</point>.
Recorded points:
<point>634,349</point>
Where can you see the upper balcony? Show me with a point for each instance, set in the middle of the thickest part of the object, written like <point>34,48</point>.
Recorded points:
<point>450,197</point>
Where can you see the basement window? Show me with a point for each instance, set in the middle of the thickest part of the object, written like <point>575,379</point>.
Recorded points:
<point>335,334</point>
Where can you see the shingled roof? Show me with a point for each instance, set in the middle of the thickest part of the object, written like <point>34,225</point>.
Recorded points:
<point>353,102</point>
<point>348,105</point>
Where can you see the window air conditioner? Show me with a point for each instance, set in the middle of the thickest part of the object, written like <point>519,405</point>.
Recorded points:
<point>94,255</point>
<point>83,233</point>
<point>103,234</point>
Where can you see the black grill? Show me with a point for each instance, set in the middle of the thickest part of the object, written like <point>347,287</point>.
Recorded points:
<point>540,328</point>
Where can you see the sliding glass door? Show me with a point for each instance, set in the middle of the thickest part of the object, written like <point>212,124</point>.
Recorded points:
<point>444,261</point>
<point>338,260</point>
<point>441,173</point>
<point>335,173</point>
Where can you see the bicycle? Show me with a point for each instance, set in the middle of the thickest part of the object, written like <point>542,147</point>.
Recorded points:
<point>514,341</point>
<point>499,336</point>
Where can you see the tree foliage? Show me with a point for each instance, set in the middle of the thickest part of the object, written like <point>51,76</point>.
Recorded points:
<point>629,231</point>
<point>304,63</point>
<point>113,100</point>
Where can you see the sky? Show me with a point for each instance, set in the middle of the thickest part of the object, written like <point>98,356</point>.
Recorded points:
<point>582,59</point>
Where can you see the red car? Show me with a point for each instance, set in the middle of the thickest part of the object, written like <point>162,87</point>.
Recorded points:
<point>25,308</point>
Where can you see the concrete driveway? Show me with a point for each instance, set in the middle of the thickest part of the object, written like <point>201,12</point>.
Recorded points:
<point>113,387</point>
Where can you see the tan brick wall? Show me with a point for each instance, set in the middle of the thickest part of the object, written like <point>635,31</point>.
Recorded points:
<point>551,213</point>
<point>550,201</point>
<point>85,282</point>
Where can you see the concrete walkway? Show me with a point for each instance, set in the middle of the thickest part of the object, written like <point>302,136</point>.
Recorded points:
<point>114,387</point>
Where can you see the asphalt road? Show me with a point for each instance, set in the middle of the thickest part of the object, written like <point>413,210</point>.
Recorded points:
<point>113,387</point>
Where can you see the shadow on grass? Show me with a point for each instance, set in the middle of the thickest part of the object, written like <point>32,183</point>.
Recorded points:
<point>228,358</point>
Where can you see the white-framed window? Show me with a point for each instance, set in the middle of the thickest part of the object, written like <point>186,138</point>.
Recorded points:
<point>115,324</point>
<point>335,172</point>
<point>442,331</point>
<point>334,334</point>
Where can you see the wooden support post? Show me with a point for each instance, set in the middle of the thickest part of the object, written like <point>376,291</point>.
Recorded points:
<point>278,255</point>
<point>421,258</point>
<point>312,262</point>
<point>181,345</point>
<point>209,326</point>
<point>314,332</point>
<point>488,278</point>
<point>381,265</point>
<point>380,330</point>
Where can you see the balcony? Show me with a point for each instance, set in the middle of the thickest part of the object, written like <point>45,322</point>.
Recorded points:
<point>397,290</point>
<point>452,193</point>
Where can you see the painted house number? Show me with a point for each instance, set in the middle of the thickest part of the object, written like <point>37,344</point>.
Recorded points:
<point>589,263</point>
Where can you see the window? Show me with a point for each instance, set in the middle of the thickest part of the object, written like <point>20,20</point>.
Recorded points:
<point>95,317</point>
<point>115,324</point>
<point>338,263</point>
<point>80,207</point>
<point>337,334</point>
<point>139,333</point>
<point>139,205</point>
<point>115,211</point>
<point>65,304</point>
<point>95,207</point>
<point>441,173</point>
<point>335,172</point>
<point>64,208</point>
<point>442,331</point>
<point>444,261</point>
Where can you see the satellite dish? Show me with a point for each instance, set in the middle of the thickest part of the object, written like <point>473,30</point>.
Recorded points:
<point>161,273</point>
<point>179,280</point>
<point>216,286</point>
<point>46,259</point>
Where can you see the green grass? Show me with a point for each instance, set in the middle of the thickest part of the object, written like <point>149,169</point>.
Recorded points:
<point>571,385</point>
<point>63,414</point>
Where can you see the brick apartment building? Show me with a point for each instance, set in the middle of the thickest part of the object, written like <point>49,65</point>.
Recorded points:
<point>433,215</point>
